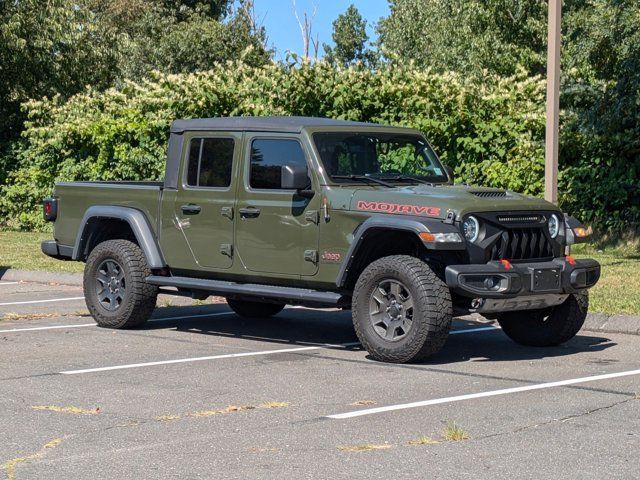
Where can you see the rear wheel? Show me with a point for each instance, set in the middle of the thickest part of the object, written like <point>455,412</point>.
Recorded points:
<point>248,309</point>
<point>401,310</point>
<point>115,290</point>
<point>547,327</point>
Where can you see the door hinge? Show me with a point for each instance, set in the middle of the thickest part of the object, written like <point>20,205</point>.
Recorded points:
<point>226,249</point>
<point>312,216</point>
<point>227,212</point>
<point>311,256</point>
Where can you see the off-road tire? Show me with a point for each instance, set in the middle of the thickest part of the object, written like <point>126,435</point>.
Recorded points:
<point>139,299</point>
<point>547,327</point>
<point>248,309</point>
<point>431,317</point>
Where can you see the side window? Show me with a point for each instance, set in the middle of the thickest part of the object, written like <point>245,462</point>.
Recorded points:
<point>267,158</point>
<point>210,162</point>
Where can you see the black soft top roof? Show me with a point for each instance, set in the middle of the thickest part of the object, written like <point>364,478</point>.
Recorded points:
<point>263,124</point>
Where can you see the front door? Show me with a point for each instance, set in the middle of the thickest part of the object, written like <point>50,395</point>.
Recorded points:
<point>203,206</point>
<point>276,229</point>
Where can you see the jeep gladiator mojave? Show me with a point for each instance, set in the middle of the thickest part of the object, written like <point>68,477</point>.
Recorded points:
<point>324,213</point>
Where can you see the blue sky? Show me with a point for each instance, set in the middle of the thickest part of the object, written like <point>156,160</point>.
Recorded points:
<point>283,31</point>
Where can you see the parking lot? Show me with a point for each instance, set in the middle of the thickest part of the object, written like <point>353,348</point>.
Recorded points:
<point>202,393</point>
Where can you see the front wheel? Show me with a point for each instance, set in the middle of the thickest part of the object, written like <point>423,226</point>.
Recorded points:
<point>547,327</point>
<point>401,310</point>
<point>115,290</point>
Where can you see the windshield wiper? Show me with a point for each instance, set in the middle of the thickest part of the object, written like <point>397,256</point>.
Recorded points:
<point>405,178</point>
<point>362,178</point>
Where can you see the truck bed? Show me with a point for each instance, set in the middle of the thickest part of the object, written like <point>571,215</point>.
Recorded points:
<point>74,198</point>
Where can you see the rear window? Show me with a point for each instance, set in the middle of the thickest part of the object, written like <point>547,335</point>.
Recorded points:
<point>210,162</point>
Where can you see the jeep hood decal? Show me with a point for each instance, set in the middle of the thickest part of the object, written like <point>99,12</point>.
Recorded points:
<point>436,201</point>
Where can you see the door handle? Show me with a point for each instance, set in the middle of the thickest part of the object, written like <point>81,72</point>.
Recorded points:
<point>191,209</point>
<point>249,212</point>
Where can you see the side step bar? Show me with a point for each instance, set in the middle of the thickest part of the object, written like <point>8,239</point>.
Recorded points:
<point>256,292</point>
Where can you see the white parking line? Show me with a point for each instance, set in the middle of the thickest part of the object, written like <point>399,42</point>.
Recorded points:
<point>473,330</point>
<point>235,355</point>
<point>42,301</point>
<point>55,327</point>
<point>212,357</point>
<point>9,283</point>
<point>493,393</point>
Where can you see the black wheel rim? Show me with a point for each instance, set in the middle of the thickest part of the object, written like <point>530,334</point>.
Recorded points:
<point>110,285</point>
<point>391,310</point>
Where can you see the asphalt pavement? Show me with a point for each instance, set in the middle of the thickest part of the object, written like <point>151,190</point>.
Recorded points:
<point>202,393</point>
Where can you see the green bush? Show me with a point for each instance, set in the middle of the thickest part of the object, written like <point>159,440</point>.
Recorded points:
<point>491,132</point>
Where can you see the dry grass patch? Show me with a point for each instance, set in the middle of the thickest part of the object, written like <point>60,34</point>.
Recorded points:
<point>72,410</point>
<point>274,405</point>
<point>362,403</point>
<point>365,447</point>
<point>225,410</point>
<point>10,465</point>
<point>454,433</point>
<point>27,316</point>
<point>168,418</point>
<point>220,411</point>
<point>423,440</point>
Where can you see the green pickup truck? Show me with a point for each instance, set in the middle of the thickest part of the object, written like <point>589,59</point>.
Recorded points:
<point>316,212</point>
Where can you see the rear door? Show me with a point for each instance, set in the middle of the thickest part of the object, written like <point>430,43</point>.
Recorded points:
<point>203,206</point>
<point>276,229</point>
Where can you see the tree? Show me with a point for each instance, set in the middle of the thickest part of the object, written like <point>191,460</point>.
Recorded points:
<point>467,35</point>
<point>350,39</point>
<point>216,9</point>
<point>49,48</point>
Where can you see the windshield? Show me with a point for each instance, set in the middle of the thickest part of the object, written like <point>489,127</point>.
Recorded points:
<point>385,156</point>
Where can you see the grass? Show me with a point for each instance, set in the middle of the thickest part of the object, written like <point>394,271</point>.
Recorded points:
<point>21,250</point>
<point>618,291</point>
<point>454,433</point>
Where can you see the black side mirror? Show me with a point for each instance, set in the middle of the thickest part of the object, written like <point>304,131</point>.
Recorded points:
<point>449,171</point>
<point>294,177</point>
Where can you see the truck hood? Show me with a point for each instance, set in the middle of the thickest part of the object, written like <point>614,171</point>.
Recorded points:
<point>436,201</point>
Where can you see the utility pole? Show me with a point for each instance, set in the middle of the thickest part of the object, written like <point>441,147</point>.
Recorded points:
<point>553,102</point>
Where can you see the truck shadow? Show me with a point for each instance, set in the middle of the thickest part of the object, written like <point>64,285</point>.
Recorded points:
<point>303,327</point>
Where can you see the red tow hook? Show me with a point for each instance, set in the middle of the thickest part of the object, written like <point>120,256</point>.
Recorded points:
<point>570,260</point>
<point>506,263</point>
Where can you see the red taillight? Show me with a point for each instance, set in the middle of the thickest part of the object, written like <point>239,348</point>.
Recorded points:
<point>50,209</point>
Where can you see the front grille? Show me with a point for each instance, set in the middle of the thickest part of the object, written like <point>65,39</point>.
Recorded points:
<point>522,244</point>
<point>490,194</point>
<point>520,218</point>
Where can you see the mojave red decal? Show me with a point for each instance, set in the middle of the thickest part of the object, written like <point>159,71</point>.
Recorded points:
<point>398,208</point>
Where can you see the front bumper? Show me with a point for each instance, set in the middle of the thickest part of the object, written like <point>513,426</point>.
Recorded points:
<point>534,285</point>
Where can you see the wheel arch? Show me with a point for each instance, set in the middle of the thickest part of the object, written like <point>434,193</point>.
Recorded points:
<point>106,222</point>
<point>381,236</point>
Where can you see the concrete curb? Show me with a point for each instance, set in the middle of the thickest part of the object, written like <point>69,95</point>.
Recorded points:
<point>12,275</point>
<point>600,322</point>
<point>596,322</point>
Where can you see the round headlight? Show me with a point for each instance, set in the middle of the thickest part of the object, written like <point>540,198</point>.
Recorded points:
<point>471,229</point>
<point>554,226</point>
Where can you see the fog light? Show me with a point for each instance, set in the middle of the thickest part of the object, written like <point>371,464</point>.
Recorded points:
<point>492,283</point>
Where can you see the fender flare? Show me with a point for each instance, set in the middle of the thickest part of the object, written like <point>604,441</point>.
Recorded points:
<point>137,221</point>
<point>387,222</point>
